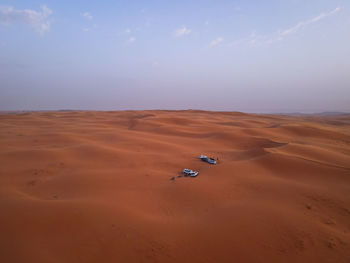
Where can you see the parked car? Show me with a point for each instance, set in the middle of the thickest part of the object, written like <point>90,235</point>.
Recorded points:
<point>207,159</point>
<point>189,172</point>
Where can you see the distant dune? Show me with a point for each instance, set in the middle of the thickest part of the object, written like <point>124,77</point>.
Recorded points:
<point>95,187</point>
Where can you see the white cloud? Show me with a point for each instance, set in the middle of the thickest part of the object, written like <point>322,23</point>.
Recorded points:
<point>255,40</point>
<point>87,15</point>
<point>127,31</point>
<point>216,41</point>
<point>37,20</point>
<point>155,63</point>
<point>252,40</point>
<point>87,29</point>
<point>182,31</point>
<point>303,24</point>
<point>132,40</point>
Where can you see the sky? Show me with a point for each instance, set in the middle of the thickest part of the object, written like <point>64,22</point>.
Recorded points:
<point>243,55</point>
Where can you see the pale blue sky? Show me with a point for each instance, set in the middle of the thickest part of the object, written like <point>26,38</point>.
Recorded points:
<point>254,56</point>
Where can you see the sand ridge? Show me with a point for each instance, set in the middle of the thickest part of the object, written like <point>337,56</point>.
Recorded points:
<point>85,186</point>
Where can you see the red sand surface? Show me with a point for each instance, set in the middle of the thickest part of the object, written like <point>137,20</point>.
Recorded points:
<point>95,187</point>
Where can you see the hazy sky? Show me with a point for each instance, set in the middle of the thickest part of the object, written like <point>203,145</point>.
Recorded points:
<point>248,55</point>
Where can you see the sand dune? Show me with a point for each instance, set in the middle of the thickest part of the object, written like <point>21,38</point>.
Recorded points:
<point>95,187</point>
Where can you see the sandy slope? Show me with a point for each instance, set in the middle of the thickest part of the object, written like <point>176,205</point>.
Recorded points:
<point>95,187</point>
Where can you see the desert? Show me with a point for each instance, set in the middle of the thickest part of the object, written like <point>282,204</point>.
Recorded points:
<point>95,186</point>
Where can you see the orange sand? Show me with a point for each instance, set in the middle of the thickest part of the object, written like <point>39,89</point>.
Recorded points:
<point>95,187</point>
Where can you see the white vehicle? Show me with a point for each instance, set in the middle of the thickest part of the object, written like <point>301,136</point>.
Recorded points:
<point>207,159</point>
<point>189,172</point>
